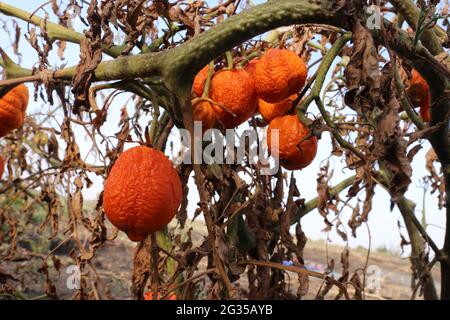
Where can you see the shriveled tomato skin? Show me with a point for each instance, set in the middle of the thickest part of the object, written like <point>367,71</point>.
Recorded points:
<point>13,106</point>
<point>279,74</point>
<point>203,111</point>
<point>234,90</point>
<point>142,192</point>
<point>296,149</point>
<point>251,67</point>
<point>199,81</point>
<point>270,111</point>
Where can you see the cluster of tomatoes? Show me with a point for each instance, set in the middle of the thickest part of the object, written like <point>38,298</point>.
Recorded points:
<point>143,190</point>
<point>268,85</point>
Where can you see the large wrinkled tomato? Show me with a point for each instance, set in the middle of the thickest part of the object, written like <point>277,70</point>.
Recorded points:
<point>142,192</point>
<point>279,74</point>
<point>234,96</point>
<point>296,149</point>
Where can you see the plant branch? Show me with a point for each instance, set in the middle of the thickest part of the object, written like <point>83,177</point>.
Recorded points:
<point>55,31</point>
<point>180,64</point>
<point>312,204</point>
<point>418,254</point>
<point>411,13</point>
<point>154,263</point>
<point>323,69</point>
<point>335,131</point>
<point>417,235</point>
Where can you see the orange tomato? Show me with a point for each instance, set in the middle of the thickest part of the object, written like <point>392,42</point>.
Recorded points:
<point>295,149</point>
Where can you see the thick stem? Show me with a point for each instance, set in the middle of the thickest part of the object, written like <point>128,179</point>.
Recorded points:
<point>12,69</point>
<point>406,208</point>
<point>239,28</point>
<point>179,65</point>
<point>417,236</point>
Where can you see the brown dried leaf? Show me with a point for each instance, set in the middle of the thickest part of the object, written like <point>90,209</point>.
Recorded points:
<point>324,201</point>
<point>141,268</point>
<point>390,148</point>
<point>357,284</point>
<point>90,58</point>
<point>362,72</point>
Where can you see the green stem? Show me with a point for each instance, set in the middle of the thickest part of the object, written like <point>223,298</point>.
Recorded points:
<point>58,32</point>
<point>229,58</point>
<point>312,204</point>
<point>400,20</point>
<point>323,69</point>
<point>179,65</point>
<point>154,124</point>
<point>208,80</point>
<point>335,132</point>
<point>154,46</point>
<point>164,242</point>
<point>12,69</point>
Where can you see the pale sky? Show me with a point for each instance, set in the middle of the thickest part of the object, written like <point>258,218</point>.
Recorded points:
<point>382,222</point>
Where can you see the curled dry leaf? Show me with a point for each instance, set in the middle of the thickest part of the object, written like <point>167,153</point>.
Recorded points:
<point>390,147</point>
<point>437,181</point>
<point>362,72</point>
<point>90,57</point>
<point>324,198</point>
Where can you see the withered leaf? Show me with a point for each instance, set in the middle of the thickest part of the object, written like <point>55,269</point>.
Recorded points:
<point>90,58</point>
<point>362,72</point>
<point>390,147</point>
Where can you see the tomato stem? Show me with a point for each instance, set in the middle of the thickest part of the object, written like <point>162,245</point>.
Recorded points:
<point>208,80</point>
<point>229,58</point>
